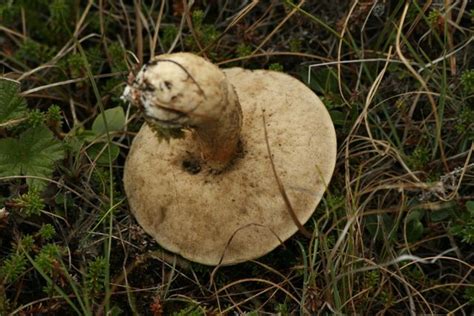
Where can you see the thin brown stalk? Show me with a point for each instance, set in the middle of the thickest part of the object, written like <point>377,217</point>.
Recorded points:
<point>281,188</point>
<point>275,30</point>
<point>424,85</point>
<point>138,31</point>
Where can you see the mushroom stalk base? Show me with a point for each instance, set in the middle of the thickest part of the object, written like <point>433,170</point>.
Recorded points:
<point>219,138</point>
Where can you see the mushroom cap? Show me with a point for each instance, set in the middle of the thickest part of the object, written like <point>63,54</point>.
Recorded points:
<point>238,214</point>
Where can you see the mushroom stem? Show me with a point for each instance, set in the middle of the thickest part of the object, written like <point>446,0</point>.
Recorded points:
<point>185,91</point>
<point>219,137</point>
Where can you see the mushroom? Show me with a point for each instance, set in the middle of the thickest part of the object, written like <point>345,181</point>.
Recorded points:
<point>213,192</point>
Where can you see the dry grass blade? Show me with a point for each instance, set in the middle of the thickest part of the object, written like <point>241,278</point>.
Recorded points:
<point>275,30</point>
<point>281,188</point>
<point>425,87</point>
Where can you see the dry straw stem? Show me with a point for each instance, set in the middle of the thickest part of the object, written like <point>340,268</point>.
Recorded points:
<point>277,28</point>
<point>67,48</point>
<point>138,30</point>
<point>243,12</point>
<point>59,184</point>
<point>371,265</point>
<point>154,40</point>
<point>187,14</point>
<point>348,141</point>
<point>235,20</point>
<point>281,188</point>
<point>263,281</point>
<point>450,32</point>
<point>434,109</point>
<point>269,54</point>
<point>371,94</point>
<point>339,52</point>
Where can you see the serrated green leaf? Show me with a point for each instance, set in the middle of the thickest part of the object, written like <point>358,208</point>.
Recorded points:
<point>12,105</point>
<point>115,120</point>
<point>32,154</point>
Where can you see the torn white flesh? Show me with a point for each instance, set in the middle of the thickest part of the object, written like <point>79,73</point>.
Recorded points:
<point>144,95</point>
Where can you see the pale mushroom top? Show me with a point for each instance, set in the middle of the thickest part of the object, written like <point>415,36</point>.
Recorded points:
<point>211,195</point>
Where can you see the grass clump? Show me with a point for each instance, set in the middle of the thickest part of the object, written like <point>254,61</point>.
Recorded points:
<point>393,234</point>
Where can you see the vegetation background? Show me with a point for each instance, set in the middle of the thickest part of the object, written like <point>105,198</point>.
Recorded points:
<point>393,235</point>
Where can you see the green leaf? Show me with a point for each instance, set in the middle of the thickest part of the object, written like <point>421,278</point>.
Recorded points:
<point>98,152</point>
<point>470,207</point>
<point>32,154</point>
<point>380,226</point>
<point>415,215</point>
<point>441,215</point>
<point>115,120</point>
<point>12,105</point>
<point>414,226</point>
<point>415,230</point>
<point>322,81</point>
<point>338,117</point>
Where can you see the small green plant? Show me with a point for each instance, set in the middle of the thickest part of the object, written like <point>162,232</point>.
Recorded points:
<point>373,278</point>
<point>433,18</point>
<point>276,67</point>
<point>27,242</point>
<point>60,12</point>
<point>464,227</point>
<point>12,105</point>
<point>169,34</point>
<point>47,232</point>
<point>467,81</point>
<point>117,55</point>
<point>47,257</point>
<point>243,50</point>
<point>295,44</point>
<point>16,262</point>
<point>282,309</point>
<point>54,113</point>
<point>465,121</point>
<point>419,158</point>
<point>33,153</point>
<point>414,227</point>
<point>35,150</point>
<point>191,310</point>
<point>205,33</point>
<point>12,267</point>
<point>98,150</point>
<point>95,277</point>
<point>74,64</point>
<point>36,118</point>
<point>34,52</point>
<point>30,203</point>
<point>469,295</point>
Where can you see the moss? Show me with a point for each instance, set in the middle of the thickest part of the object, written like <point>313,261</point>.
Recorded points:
<point>165,133</point>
